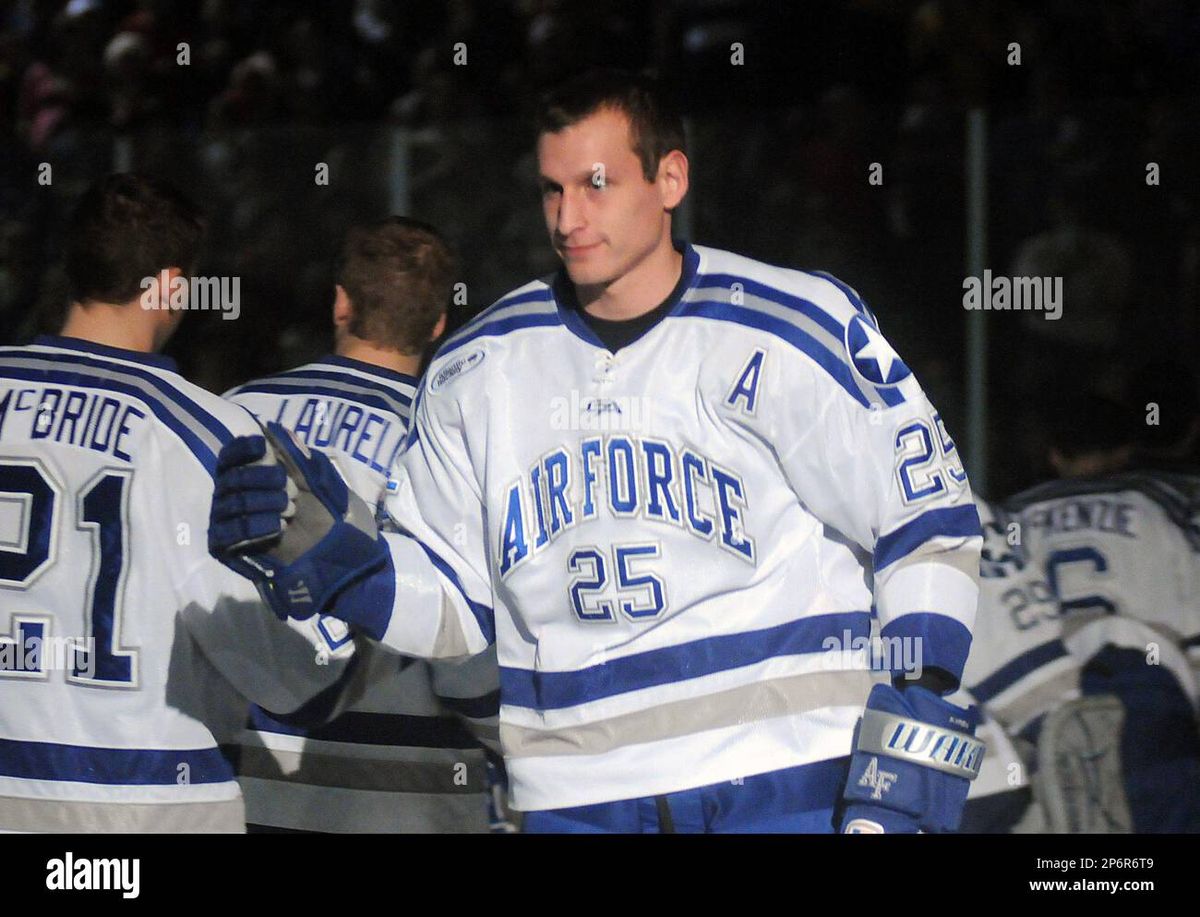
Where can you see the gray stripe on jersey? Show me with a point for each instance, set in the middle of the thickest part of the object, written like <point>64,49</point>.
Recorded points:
<point>157,395</point>
<point>499,311</point>
<point>789,696</point>
<point>374,774</point>
<point>304,386</point>
<point>57,816</point>
<point>835,345</point>
<point>335,811</point>
<point>963,559</point>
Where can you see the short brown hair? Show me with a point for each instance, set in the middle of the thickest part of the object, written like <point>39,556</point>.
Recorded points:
<point>127,227</point>
<point>398,275</point>
<point>655,124</point>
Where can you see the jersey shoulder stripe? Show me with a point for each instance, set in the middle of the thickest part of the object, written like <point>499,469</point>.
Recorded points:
<point>837,368</point>
<point>396,386</point>
<point>849,292</point>
<point>196,427</point>
<point>809,311</point>
<point>330,389</point>
<point>529,306</point>
<point>389,391</point>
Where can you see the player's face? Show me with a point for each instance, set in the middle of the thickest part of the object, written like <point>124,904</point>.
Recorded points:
<point>603,216</point>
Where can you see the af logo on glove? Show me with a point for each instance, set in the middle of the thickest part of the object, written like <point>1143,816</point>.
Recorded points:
<point>879,781</point>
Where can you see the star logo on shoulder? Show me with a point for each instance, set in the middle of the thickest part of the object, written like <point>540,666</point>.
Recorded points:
<point>872,356</point>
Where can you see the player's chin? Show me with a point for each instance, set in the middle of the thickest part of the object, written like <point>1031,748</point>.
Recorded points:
<point>584,273</point>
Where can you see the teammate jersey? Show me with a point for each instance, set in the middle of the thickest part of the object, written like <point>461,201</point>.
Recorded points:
<point>399,758</point>
<point>114,620</point>
<point>1071,565</point>
<point>675,548</point>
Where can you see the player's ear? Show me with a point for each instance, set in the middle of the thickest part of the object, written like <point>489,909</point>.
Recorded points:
<point>157,290</point>
<point>673,178</point>
<point>343,309</point>
<point>439,329</point>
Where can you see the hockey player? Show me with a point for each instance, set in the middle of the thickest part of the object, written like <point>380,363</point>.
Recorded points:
<point>665,483</point>
<point>1087,606</point>
<point>116,626</point>
<point>398,759</point>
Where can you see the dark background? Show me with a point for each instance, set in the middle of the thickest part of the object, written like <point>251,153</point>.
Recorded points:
<point>780,147</point>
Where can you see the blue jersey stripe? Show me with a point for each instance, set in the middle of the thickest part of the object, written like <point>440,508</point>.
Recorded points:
<point>948,521</point>
<point>788,300</point>
<point>493,311</point>
<point>115,766</point>
<point>164,387</point>
<point>501,327</point>
<point>855,299</point>
<point>302,387</point>
<point>834,365</point>
<point>187,435</point>
<point>388,391</point>
<point>485,617</point>
<point>1009,674</point>
<point>395,729</point>
<point>938,641</point>
<point>384,374</point>
<point>556,690</point>
<point>103,350</point>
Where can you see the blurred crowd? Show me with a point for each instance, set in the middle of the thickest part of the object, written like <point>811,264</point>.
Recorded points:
<point>242,101</point>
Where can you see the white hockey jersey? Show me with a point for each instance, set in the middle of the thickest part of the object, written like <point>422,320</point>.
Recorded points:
<point>400,758</point>
<point>674,548</point>
<point>114,620</point>
<point>1071,565</point>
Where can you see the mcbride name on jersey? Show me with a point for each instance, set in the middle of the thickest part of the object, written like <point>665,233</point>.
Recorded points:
<point>400,758</point>
<point>72,417</point>
<point>661,542</point>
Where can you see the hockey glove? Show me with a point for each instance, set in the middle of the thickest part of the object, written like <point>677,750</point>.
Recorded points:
<point>299,558</point>
<point>914,758</point>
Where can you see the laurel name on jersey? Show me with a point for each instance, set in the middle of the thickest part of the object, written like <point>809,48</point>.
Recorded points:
<point>364,435</point>
<point>643,478</point>
<point>71,417</point>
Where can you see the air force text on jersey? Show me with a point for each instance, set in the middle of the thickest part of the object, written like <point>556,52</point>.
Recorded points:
<point>643,478</point>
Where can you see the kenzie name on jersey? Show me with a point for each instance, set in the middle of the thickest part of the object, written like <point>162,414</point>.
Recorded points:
<point>642,479</point>
<point>71,416</point>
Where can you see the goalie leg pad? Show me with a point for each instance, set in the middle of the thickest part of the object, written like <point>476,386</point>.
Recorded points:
<point>915,755</point>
